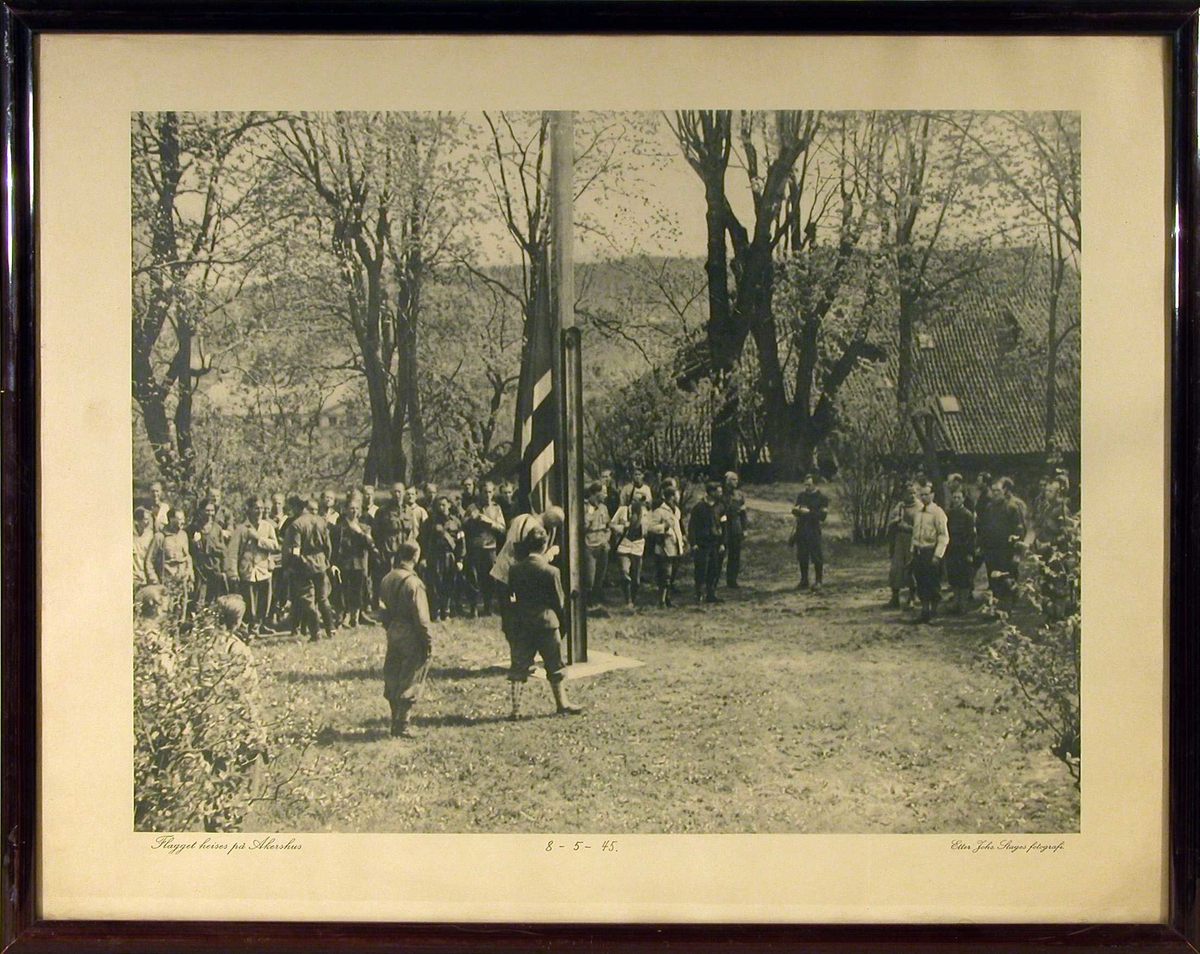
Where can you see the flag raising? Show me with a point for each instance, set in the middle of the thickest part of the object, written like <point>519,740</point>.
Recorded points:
<point>540,413</point>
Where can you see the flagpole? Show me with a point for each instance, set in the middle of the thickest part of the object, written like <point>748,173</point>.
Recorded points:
<point>568,365</point>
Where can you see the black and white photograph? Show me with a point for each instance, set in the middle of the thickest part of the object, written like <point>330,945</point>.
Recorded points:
<point>677,472</point>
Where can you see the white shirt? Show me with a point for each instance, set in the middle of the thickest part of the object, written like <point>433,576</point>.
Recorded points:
<point>930,529</point>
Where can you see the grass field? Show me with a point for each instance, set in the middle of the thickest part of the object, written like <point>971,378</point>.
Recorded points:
<point>778,711</point>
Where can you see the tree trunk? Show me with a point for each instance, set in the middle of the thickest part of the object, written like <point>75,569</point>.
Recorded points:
<point>1057,272</point>
<point>907,279</point>
<point>721,330</point>
<point>416,421</point>
<point>793,445</point>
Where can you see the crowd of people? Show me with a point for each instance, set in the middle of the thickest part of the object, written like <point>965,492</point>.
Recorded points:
<point>300,565</point>
<point>309,565</point>
<point>979,525</point>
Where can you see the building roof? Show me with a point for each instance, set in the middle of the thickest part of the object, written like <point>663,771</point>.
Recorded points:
<point>985,353</point>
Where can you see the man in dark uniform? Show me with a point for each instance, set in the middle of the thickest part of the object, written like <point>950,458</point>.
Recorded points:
<point>353,557</point>
<point>1000,527</point>
<point>209,542</point>
<point>468,494</point>
<point>734,502</point>
<point>707,535</point>
<point>444,548</point>
<point>485,526</point>
<point>327,511</point>
<point>960,553</point>
<point>536,619</point>
<point>812,507</point>
<point>387,530</point>
<point>507,499</point>
<point>405,611</point>
<point>309,552</point>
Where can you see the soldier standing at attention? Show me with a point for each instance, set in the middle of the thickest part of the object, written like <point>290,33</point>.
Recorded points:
<point>708,540</point>
<point>209,542</point>
<point>405,611</point>
<point>1001,528</point>
<point>812,507</point>
<point>387,530</point>
<point>327,511</point>
<point>308,553</point>
<point>257,546</point>
<point>353,556</point>
<point>444,550</point>
<point>536,620</point>
<point>596,541</point>
<point>485,526</point>
<point>734,502</point>
<point>960,553</point>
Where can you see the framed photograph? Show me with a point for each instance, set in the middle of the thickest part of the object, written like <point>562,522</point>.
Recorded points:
<point>600,474</point>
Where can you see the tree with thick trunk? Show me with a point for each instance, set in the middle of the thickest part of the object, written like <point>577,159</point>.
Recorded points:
<point>380,188</point>
<point>797,374</point>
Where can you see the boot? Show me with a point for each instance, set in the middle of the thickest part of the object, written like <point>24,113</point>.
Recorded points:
<point>894,602</point>
<point>514,689</point>
<point>561,702</point>
<point>400,729</point>
<point>627,589</point>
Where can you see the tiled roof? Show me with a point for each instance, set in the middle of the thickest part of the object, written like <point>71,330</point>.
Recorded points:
<point>977,357</point>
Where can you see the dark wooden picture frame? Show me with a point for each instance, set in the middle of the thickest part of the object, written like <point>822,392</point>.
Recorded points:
<point>23,928</point>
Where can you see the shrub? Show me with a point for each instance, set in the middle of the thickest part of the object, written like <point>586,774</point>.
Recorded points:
<point>198,739</point>
<point>868,442</point>
<point>1038,648</point>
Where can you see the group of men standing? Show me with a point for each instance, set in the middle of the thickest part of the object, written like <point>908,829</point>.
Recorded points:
<point>984,524</point>
<point>627,523</point>
<point>302,565</point>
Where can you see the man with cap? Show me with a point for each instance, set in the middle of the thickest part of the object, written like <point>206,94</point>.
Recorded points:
<point>536,620</point>
<point>308,552</point>
<point>404,609</point>
<point>734,503</point>
<point>810,511</point>
<point>707,535</point>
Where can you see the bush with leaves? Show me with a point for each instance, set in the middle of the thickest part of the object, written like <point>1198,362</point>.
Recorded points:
<point>198,738</point>
<point>868,443</point>
<point>1038,648</point>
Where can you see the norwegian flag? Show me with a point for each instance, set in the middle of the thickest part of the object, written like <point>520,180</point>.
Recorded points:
<point>538,406</point>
